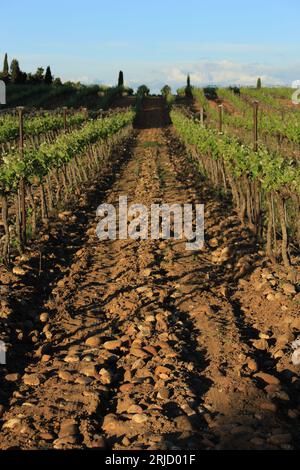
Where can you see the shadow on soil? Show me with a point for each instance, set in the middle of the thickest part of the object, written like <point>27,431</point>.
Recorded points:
<point>28,297</point>
<point>153,114</point>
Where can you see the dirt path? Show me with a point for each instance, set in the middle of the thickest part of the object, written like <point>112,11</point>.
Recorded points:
<point>145,344</point>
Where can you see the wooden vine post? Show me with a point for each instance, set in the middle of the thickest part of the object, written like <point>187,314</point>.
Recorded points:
<point>220,118</point>
<point>202,116</point>
<point>65,117</point>
<point>255,126</point>
<point>22,187</point>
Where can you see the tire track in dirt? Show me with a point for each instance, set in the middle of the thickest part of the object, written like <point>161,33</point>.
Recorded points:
<point>143,346</point>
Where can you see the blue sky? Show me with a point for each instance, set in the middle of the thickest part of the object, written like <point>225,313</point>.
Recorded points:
<point>156,42</point>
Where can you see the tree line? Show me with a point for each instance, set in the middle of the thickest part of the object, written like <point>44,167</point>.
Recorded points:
<point>13,74</point>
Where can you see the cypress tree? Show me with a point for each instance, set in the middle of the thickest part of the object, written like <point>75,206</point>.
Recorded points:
<point>48,76</point>
<point>121,79</point>
<point>188,89</point>
<point>258,86</point>
<point>5,66</point>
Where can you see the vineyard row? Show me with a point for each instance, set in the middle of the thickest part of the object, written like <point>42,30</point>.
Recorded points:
<point>44,177</point>
<point>265,186</point>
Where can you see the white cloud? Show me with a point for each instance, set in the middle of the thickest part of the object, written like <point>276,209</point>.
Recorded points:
<point>209,72</point>
<point>223,73</point>
<point>82,79</point>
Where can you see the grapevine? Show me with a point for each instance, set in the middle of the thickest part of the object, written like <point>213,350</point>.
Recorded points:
<point>254,177</point>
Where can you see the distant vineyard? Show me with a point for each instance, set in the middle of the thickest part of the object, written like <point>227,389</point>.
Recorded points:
<point>274,121</point>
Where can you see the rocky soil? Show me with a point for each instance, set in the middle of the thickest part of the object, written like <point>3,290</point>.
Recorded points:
<point>141,344</point>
